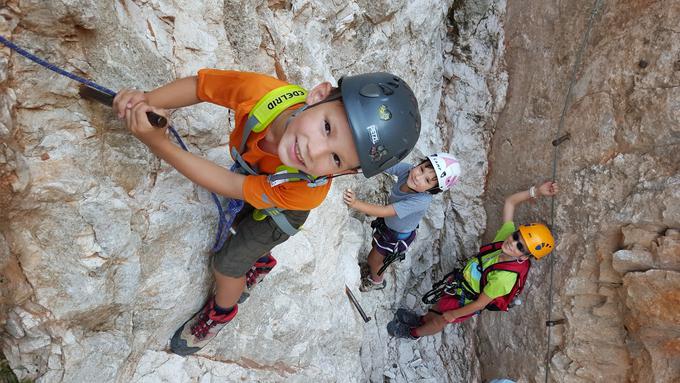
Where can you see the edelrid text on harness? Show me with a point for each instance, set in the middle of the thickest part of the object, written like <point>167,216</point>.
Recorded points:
<point>263,113</point>
<point>455,284</point>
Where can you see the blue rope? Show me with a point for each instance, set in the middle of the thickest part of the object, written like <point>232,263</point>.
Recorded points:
<point>226,221</point>
<point>234,206</point>
<point>54,68</point>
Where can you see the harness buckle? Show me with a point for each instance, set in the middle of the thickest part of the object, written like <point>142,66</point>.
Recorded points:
<point>318,182</point>
<point>451,286</point>
<point>259,215</point>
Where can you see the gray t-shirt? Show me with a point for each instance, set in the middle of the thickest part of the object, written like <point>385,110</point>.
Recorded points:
<point>410,207</point>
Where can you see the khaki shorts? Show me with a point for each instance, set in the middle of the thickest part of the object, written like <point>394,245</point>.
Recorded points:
<point>253,239</point>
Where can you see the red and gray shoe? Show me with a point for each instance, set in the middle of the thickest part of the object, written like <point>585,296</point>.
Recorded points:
<point>256,274</point>
<point>200,329</point>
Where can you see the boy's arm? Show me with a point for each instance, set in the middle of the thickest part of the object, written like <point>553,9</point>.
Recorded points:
<point>368,208</point>
<point>546,189</point>
<point>199,170</point>
<point>374,210</point>
<point>176,94</point>
<point>202,172</point>
<point>477,305</point>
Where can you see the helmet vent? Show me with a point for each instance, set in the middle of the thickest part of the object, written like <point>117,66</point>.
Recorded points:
<point>371,90</point>
<point>394,85</point>
<point>386,90</point>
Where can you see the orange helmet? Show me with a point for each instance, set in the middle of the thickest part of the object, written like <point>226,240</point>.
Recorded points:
<point>538,238</point>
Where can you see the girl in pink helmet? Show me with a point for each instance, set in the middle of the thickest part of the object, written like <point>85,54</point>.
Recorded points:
<point>394,229</point>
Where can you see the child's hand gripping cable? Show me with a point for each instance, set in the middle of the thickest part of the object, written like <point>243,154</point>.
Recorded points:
<point>107,99</point>
<point>139,125</point>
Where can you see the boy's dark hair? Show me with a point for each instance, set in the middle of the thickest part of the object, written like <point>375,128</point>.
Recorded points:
<point>428,164</point>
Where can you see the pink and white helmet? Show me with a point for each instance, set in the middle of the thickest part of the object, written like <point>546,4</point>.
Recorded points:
<point>447,169</point>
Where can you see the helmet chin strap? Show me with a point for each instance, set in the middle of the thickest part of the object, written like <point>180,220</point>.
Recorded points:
<point>356,171</point>
<point>308,106</point>
<point>294,114</point>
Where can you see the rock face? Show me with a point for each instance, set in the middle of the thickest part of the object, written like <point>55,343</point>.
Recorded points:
<point>104,249</point>
<point>616,264</point>
<point>99,265</point>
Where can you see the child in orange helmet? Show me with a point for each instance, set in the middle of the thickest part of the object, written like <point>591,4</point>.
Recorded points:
<point>470,293</point>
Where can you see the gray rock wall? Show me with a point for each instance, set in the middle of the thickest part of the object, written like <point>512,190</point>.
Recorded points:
<point>617,218</point>
<point>473,92</point>
<point>104,248</point>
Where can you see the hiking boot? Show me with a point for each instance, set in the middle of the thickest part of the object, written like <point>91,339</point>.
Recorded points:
<point>256,274</point>
<point>367,284</point>
<point>400,330</point>
<point>409,318</point>
<point>198,331</point>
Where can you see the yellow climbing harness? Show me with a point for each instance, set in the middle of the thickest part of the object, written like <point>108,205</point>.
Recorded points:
<point>273,103</point>
<point>261,116</point>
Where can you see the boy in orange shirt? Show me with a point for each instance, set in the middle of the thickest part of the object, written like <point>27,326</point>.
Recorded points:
<point>371,121</point>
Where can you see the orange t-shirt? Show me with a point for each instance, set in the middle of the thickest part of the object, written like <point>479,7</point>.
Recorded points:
<point>240,91</point>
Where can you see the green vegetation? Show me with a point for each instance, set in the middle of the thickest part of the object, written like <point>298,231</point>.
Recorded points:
<point>6,374</point>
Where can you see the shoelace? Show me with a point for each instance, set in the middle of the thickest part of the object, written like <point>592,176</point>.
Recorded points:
<point>254,273</point>
<point>201,329</point>
<point>251,277</point>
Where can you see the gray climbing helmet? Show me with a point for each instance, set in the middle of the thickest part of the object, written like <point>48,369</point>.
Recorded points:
<point>383,116</point>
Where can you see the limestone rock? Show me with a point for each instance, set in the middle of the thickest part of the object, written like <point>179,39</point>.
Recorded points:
<point>667,250</point>
<point>619,195</point>
<point>632,260</point>
<point>640,235</point>
<point>652,298</point>
<point>663,253</point>
<point>105,249</point>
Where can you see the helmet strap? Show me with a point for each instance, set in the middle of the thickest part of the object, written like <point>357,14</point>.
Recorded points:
<point>347,173</point>
<point>335,97</point>
<point>294,114</point>
<point>409,188</point>
<point>307,107</point>
<point>435,189</point>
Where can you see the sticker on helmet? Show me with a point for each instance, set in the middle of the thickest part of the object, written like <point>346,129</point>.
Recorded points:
<point>377,152</point>
<point>373,132</point>
<point>384,113</point>
<point>449,181</point>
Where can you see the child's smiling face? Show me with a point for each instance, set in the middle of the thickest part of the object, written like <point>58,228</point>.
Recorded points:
<point>318,141</point>
<point>422,178</point>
